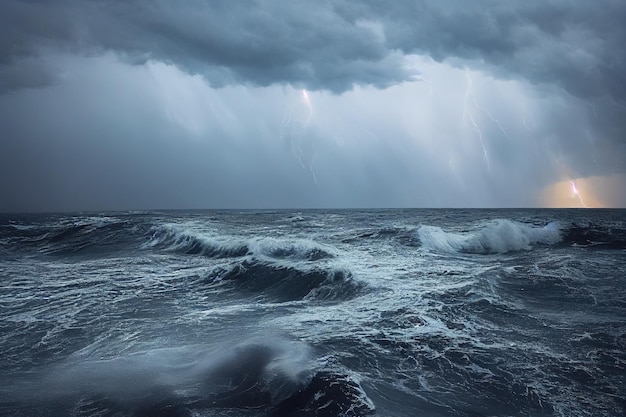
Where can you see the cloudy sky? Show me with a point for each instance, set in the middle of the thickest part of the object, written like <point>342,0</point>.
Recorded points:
<point>140,104</point>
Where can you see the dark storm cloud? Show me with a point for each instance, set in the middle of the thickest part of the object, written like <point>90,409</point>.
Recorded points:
<point>575,48</point>
<point>577,45</point>
<point>333,45</point>
<point>567,56</point>
<point>258,43</point>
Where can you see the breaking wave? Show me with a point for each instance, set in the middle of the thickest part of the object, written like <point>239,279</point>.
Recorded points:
<point>296,249</point>
<point>272,375</point>
<point>101,235</point>
<point>499,236</point>
<point>180,240</point>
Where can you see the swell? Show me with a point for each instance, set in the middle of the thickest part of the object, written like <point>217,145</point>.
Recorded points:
<point>282,283</point>
<point>381,233</point>
<point>596,236</point>
<point>101,235</point>
<point>97,236</point>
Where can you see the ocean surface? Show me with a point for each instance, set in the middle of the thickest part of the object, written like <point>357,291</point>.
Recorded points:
<point>314,313</point>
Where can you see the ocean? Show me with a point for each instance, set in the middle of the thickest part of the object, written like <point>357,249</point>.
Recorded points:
<point>314,313</point>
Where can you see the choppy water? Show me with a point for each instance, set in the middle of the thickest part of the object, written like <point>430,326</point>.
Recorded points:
<point>314,313</point>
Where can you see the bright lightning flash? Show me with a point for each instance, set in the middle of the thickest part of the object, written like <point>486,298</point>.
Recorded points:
<point>577,193</point>
<point>307,101</point>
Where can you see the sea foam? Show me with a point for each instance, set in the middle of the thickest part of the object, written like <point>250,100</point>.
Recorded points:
<point>498,236</point>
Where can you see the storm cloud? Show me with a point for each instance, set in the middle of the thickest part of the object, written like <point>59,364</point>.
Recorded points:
<point>335,45</point>
<point>197,104</point>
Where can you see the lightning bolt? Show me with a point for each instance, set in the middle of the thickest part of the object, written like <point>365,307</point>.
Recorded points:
<point>467,115</point>
<point>311,168</point>
<point>577,194</point>
<point>293,129</point>
<point>591,105</point>
<point>525,115</point>
<point>525,124</point>
<point>493,119</point>
<point>307,101</point>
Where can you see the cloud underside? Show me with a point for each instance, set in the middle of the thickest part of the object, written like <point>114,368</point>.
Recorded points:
<point>576,48</point>
<point>542,81</point>
<point>335,45</point>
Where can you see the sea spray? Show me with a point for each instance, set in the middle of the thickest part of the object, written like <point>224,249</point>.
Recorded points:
<point>498,236</point>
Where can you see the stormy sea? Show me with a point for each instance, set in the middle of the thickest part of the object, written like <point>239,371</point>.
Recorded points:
<point>314,313</point>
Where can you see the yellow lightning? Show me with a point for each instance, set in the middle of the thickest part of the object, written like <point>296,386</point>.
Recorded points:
<point>577,193</point>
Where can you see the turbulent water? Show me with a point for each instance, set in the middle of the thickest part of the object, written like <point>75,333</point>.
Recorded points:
<point>314,313</point>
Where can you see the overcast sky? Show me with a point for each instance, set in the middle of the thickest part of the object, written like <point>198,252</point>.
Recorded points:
<point>140,104</point>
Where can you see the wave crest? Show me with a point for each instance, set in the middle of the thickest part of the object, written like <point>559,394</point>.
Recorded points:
<point>499,236</point>
<point>281,283</point>
<point>297,249</point>
<point>180,240</point>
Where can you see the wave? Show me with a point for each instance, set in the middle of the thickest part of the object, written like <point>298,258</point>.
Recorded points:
<point>271,375</point>
<point>297,249</point>
<point>178,239</point>
<point>381,233</point>
<point>596,236</point>
<point>97,235</point>
<point>327,395</point>
<point>282,283</point>
<point>498,236</point>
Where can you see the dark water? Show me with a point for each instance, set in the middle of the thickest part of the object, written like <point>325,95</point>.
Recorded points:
<point>314,313</point>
